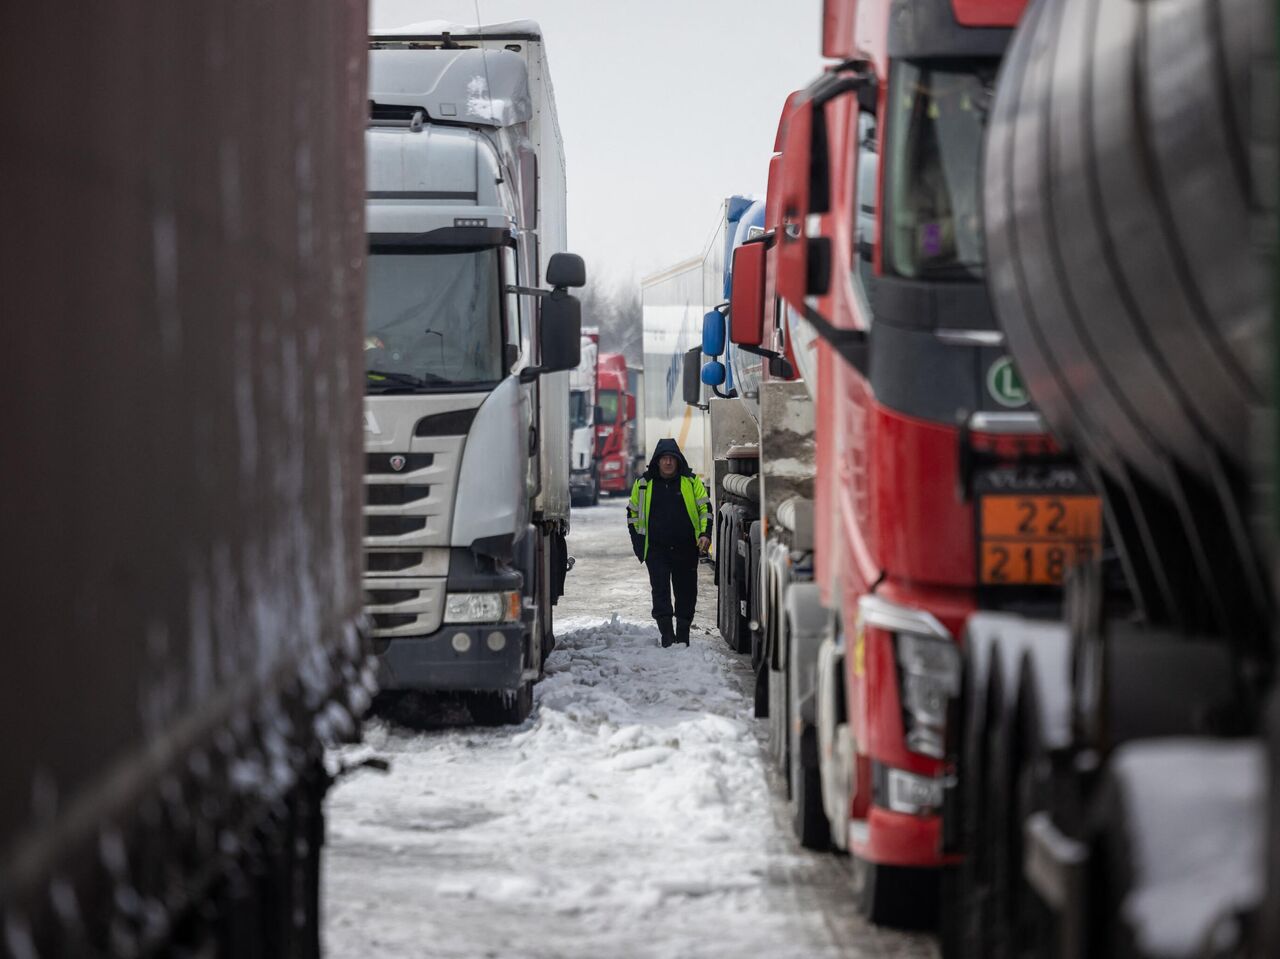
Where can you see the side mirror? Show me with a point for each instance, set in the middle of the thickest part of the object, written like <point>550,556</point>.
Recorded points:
<point>631,408</point>
<point>746,301</point>
<point>692,377</point>
<point>599,414</point>
<point>793,204</point>
<point>713,333</point>
<point>837,30</point>
<point>561,332</point>
<point>713,374</point>
<point>566,270</point>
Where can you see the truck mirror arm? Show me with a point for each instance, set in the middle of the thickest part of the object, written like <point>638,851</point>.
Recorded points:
<point>779,365</point>
<point>852,346</point>
<point>531,373</point>
<point>532,290</point>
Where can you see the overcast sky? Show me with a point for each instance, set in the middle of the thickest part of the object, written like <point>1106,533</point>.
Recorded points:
<point>666,107</point>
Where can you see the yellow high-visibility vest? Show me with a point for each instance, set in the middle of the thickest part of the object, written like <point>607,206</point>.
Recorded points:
<point>696,501</point>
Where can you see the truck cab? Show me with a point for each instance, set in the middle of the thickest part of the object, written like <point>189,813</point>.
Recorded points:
<point>616,425</point>
<point>938,490</point>
<point>466,412</point>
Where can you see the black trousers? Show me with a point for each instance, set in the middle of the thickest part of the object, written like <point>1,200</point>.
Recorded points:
<point>670,567</point>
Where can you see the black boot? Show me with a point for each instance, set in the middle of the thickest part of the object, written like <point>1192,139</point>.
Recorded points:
<point>664,627</point>
<point>682,631</point>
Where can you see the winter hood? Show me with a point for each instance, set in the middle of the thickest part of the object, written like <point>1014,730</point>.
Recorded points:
<point>664,447</point>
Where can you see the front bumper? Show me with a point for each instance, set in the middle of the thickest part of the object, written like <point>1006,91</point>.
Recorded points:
<point>613,480</point>
<point>434,663</point>
<point>898,839</point>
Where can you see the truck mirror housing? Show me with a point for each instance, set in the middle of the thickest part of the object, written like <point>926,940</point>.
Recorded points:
<point>713,333</point>
<point>793,206</point>
<point>691,383</point>
<point>838,18</point>
<point>566,270</point>
<point>560,337</point>
<point>631,408</point>
<point>746,301</point>
<point>713,374</point>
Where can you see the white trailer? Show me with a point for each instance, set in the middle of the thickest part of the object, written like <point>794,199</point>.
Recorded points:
<point>467,417</point>
<point>674,302</point>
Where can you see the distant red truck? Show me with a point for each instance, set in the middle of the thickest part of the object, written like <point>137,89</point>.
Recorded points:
<point>617,435</point>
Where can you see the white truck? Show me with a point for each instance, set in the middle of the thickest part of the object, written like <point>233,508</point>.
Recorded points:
<point>584,479</point>
<point>466,362</point>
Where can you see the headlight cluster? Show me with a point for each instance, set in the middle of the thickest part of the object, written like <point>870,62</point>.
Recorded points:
<point>912,794</point>
<point>482,607</point>
<point>929,674</point>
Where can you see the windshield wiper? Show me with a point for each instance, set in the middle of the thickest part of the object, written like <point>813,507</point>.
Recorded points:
<point>397,380</point>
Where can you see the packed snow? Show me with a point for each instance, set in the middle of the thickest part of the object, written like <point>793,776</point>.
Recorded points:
<point>629,816</point>
<point>1197,808</point>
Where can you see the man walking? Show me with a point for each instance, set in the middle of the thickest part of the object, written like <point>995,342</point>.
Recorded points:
<point>669,517</point>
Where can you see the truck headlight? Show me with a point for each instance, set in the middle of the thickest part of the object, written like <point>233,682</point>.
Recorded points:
<point>929,676</point>
<point>612,466</point>
<point>482,607</point>
<point>910,793</point>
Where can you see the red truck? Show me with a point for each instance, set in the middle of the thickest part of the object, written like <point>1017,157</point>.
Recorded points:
<point>616,429</point>
<point>933,489</point>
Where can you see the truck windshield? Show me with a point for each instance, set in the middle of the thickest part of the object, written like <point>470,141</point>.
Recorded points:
<point>607,400</point>
<point>434,319</point>
<point>937,111</point>
<point>579,409</point>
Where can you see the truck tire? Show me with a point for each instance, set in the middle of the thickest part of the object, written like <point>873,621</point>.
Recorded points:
<point>503,708</point>
<point>808,818</point>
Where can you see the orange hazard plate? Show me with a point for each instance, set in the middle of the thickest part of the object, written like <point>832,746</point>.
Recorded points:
<point>1033,540</point>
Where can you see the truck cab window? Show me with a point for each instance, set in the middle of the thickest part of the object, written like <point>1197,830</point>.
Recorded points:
<point>580,410</point>
<point>432,318</point>
<point>937,111</point>
<point>512,318</point>
<point>607,400</point>
<point>865,205</point>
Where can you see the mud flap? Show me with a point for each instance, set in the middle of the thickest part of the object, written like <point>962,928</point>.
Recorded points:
<point>559,564</point>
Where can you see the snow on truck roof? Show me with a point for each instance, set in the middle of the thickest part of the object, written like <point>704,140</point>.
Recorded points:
<point>512,29</point>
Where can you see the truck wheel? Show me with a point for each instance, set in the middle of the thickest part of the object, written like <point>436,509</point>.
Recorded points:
<point>896,895</point>
<point>808,818</point>
<point>503,708</point>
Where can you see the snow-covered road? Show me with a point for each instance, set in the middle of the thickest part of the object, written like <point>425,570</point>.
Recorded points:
<point>630,816</point>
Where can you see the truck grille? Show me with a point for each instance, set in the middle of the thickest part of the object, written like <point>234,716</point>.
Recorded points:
<point>391,562</point>
<point>394,494</point>
<point>379,464</point>
<point>388,597</point>
<point>392,620</point>
<point>393,525</point>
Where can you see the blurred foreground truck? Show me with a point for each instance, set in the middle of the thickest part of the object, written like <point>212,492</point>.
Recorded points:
<point>181,512</point>
<point>1115,789</point>
<point>467,363</point>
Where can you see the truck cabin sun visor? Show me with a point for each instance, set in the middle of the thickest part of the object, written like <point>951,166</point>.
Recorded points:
<point>446,239</point>
<point>920,29</point>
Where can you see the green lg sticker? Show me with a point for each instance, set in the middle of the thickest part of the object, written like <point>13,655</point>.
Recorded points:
<point>1005,385</point>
